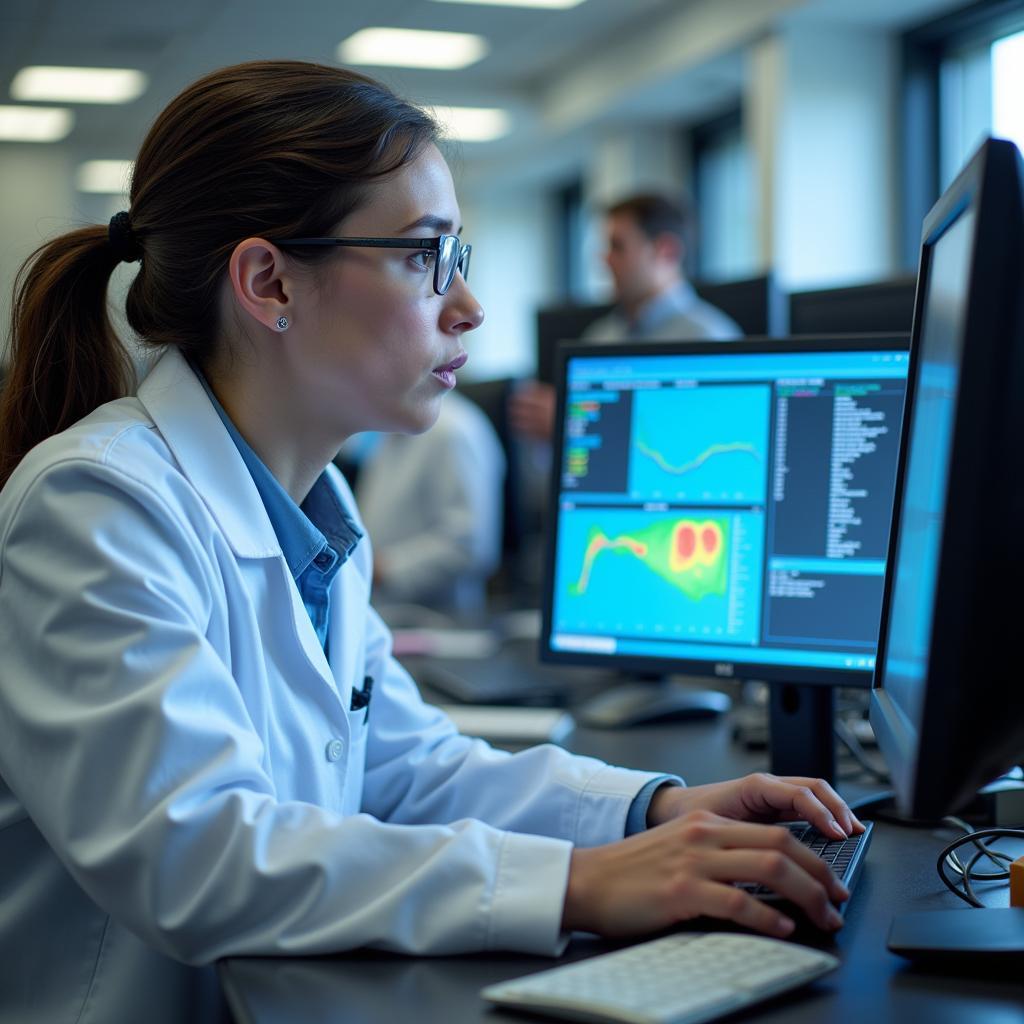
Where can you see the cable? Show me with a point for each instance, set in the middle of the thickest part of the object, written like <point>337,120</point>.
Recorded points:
<point>982,840</point>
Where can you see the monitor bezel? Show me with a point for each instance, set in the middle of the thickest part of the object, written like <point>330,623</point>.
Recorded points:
<point>742,670</point>
<point>923,772</point>
<point>822,303</point>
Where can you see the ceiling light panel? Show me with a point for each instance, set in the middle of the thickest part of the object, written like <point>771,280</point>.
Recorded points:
<point>109,177</point>
<point>412,48</point>
<point>78,85</point>
<point>472,124</point>
<point>35,124</point>
<point>553,5</point>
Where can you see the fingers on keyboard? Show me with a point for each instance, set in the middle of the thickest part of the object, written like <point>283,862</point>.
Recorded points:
<point>816,868</point>
<point>783,875</point>
<point>728,903</point>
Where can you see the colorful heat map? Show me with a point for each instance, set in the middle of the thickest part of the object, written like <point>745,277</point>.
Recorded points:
<point>669,573</point>
<point>687,553</point>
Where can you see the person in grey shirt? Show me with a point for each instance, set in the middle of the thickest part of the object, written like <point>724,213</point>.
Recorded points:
<point>432,505</point>
<point>654,301</point>
<point>646,253</point>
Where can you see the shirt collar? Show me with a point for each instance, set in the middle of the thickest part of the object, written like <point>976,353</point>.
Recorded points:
<point>322,521</point>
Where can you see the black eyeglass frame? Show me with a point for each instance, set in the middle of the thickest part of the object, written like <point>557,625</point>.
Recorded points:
<point>460,263</point>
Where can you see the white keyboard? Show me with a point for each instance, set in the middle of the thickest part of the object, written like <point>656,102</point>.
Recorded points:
<point>680,979</point>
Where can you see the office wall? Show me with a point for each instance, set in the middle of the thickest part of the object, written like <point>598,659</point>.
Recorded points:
<point>827,144</point>
<point>626,160</point>
<point>512,274</point>
<point>39,201</point>
<point>36,202</point>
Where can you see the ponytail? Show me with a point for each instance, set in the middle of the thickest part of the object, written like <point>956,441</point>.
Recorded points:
<point>66,359</point>
<point>284,149</point>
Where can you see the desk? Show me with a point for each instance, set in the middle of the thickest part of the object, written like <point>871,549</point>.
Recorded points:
<point>871,987</point>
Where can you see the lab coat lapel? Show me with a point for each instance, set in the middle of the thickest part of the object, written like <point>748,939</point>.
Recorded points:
<point>181,411</point>
<point>350,601</point>
<point>189,424</point>
<point>304,634</point>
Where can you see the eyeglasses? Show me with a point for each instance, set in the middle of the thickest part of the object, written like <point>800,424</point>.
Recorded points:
<point>451,254</point>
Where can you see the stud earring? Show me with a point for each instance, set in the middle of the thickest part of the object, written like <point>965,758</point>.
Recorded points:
<point>282,323</point>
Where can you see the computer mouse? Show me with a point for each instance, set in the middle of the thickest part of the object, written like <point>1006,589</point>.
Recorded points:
<point>623,707</point>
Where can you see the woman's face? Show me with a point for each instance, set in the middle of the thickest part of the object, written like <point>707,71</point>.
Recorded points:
<point>371,339</point>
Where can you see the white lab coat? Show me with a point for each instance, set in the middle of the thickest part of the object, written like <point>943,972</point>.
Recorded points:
<point>182,779</point>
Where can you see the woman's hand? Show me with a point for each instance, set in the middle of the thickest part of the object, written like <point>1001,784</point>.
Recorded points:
<point>761,797</point>
<point>684,869</point>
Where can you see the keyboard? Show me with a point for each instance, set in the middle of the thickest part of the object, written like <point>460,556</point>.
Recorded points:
<point>680,979</point>
<point>844,856</point>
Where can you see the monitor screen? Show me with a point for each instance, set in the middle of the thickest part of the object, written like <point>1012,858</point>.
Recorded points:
<point>931,427</point>
<point>945,705</point>
<point>724,507</point>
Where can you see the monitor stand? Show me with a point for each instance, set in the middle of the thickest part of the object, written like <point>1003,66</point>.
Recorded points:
<point>801,733</point>
<point>650,699</point>
<point>801,736</point>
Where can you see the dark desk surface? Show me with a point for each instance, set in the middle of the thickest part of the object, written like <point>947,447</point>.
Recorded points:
<point>871,987</point>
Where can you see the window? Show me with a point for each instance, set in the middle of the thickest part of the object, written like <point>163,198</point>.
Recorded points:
<point>980,88</point>
<point>965,107</point>
<point>964,80</point>
<point>570,271</point>
<point>1008,87</point>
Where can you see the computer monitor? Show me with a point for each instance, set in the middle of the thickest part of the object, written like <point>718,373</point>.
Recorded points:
<point>886,306</point>
<point>724,509</point>
<point>946,704</point>
<point>757,304</point>
<point>556,324</point>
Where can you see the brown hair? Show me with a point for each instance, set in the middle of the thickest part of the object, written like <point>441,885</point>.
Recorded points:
<point>280,148</point>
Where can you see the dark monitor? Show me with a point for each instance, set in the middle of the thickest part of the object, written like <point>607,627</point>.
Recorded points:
<point>492,397</point>
<point>756,304</point>
<point>886,306</point>
<point>724,509</point>
<point>561,323</point>
<point>946,705</point>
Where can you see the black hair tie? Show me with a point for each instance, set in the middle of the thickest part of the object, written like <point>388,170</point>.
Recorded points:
<point>123,240</point>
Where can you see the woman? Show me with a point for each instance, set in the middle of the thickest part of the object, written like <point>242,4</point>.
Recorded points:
<point>206,748</point>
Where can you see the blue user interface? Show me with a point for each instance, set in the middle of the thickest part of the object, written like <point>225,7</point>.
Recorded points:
<point>727,507</point>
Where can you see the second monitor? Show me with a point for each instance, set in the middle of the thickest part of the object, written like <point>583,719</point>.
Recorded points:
<point>724,509</point>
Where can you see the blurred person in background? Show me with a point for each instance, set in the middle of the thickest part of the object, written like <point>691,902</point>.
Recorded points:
<point>432,505</point>
<point>646,253</point>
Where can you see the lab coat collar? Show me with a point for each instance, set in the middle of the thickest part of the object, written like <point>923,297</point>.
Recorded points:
<point>174,398</point>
